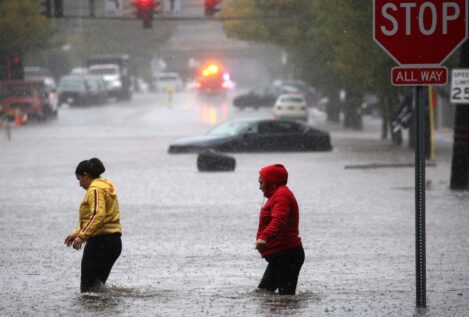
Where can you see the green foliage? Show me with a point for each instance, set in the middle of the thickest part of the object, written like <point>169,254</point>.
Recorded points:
<point>330,40</point>
<point>22,27</point>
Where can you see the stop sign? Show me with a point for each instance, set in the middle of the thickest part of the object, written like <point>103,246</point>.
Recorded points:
<point>420,32</point>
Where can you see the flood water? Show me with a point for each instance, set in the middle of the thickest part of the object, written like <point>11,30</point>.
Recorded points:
<point>188,237</point>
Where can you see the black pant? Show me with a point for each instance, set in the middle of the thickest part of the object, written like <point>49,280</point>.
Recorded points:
<point>283,270</point>
<point>99,256</point>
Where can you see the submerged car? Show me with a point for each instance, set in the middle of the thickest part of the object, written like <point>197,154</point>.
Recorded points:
<point>257,135</point>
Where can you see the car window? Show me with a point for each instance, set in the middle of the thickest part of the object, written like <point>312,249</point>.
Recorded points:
<point>292,99</point>
<point>279,127</point>
<point>71,84</point>
<point>230,128</point>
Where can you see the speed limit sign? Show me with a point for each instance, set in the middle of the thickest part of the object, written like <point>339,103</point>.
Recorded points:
<point>460,86</point>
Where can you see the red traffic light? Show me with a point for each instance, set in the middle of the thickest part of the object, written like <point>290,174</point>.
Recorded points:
<point>145,10</point>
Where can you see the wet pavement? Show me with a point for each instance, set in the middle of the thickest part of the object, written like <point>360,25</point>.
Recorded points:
<point>188,241</point>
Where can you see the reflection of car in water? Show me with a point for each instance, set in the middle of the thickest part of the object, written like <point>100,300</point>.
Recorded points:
<point>262,135</point>
<point>164,82</point>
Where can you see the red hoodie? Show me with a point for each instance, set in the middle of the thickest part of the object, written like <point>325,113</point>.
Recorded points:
<point>278,221</point>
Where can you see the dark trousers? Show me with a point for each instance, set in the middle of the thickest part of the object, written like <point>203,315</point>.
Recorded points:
<point>283,270</point>
<point>99,256</point>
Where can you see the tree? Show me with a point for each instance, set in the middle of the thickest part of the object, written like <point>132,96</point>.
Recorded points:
<point>23,27</point>
<point>331,44</point>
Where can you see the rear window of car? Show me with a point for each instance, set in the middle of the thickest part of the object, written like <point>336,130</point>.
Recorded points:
<point>72,83</point>
<point>292,99</point>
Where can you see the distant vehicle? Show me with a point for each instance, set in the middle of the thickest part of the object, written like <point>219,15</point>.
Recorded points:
<point>79,71</point>
<point>28,97</point>
<point>74,90</point>
<point>370,105</point>
<point>257,135</point>
<point>41,74</point>
<point>263,96</point>
<point>162,82</point>
<point>291,106</point>
<point>114,69</point>
<point>213,80</point>
<point>97,93</point>
<point>310,93</point>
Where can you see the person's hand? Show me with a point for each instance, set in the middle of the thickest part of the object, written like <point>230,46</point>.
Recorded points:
<point>69,239</point>
<point>260,244</point>
<point>77,243</point>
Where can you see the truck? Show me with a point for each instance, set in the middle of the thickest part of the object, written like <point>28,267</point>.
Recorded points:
<point>114,69</point>
<point>26,97</point>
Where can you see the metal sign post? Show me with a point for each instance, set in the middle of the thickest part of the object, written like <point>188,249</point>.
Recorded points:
<point>420,253</point>
<point>402,29</point>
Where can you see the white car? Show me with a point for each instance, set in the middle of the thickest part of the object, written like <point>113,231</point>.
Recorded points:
<point>291,106</point>
<point>165,82</point>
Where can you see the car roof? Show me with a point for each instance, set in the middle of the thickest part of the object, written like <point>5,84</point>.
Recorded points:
<point>257,120</point>
<point>291,95</point>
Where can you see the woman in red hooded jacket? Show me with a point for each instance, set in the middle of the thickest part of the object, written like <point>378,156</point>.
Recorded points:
<point>278,239</point>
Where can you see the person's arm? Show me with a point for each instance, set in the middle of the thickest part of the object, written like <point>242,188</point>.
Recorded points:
<point>280,212</point>
<point>97,203</point>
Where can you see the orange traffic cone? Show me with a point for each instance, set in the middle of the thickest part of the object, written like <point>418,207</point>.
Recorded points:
<point>18,121</point>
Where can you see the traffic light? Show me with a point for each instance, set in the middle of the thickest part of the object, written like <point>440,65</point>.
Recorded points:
<point>211,7</point>
<point>49,10</point>
<point>145,9</point>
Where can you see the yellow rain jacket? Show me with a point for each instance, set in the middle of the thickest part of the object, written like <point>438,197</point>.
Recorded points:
<point>99,210</point>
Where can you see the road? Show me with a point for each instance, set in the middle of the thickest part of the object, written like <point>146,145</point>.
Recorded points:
<point>188,241</point>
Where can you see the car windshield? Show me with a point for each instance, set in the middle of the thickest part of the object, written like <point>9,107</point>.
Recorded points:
<point>20,91</point>
<point>230,128</point>
<point>74,84</point>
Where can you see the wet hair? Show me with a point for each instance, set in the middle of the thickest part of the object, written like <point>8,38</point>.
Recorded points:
<point>93,167</point>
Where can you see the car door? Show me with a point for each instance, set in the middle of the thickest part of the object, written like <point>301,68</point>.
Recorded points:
<point>253,139</point>
<point>281,136</point>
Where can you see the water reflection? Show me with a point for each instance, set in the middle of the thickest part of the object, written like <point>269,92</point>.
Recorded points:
<point>273,304</point>
<point>212,110</point>
<point>110,299</point>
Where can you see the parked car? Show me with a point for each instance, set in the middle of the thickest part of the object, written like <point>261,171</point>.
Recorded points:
<point>164,81</point>
<point>257,135</point>
<point>97,92</point>
<point>41,74</point>
<point>291,106</point>
<point>310,93</point>
<point>264,96</point>
<point>26,97</point>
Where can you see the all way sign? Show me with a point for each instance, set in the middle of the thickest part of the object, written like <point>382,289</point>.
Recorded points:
<point>408,76</point>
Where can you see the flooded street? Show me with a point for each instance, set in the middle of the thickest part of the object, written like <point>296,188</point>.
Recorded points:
<point>188,237</point>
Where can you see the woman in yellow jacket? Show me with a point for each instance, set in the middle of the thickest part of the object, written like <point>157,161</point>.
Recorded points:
<point>99,225</point>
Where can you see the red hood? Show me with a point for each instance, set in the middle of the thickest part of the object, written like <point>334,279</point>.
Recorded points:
<point>273,176</point>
